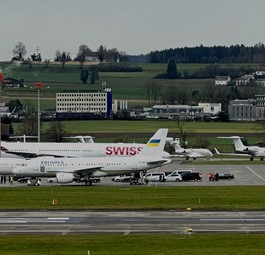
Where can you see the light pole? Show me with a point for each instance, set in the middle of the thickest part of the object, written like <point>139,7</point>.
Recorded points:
<point>2,77</point>
<point>38,86</point>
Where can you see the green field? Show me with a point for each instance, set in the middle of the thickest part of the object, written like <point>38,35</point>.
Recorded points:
<point>136,244</point>
<point>135,197</point>
<point>125,85</point>
<point>150,126</point>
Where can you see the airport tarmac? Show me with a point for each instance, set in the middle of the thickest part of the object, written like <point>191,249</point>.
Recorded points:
<point>245,174</point>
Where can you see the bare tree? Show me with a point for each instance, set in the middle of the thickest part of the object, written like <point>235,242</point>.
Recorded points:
<point>182,131</point>
<point>19,51</point>
<point>153,90</point>
<point>56,132</point>
<point>83,51</point>
<point>171,94</point>
<point>147,88</point>
<point>28,125</point>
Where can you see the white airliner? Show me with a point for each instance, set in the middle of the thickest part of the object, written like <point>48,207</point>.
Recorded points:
<point>191,153</point>
<point>8,164</point>
<point>66,170</point>
<point>241,149</point>
<point>83,149</point>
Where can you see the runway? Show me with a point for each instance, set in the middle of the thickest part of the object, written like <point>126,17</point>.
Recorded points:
<point>130,222</point>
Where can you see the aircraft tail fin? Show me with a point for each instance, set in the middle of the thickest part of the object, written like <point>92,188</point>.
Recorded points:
<point>156,144</point>
<point>176,145</point>
<point>239,146</point>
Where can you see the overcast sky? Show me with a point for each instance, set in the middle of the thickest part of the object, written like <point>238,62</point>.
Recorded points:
<point>135,27</point>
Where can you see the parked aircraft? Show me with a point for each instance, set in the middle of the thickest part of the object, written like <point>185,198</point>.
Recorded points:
<point>7,165</point>
<point>82,138</point>
<point>240,148</point>
<point>82,149</point>
<point>66,170</point>
<point>191,153</point>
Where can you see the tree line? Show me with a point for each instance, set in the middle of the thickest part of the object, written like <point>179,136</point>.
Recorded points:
<point>211,55</point>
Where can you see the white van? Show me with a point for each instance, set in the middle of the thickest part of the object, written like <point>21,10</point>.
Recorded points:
<point>154,177</point>
<point>180,171</point>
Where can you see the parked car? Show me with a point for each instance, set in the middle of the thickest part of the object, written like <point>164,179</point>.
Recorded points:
<point>173,177</point>
<point>23,179</point>
<point>121,178</point>
<point>226,176</point>
<point>93,179</point>
<point>194,176</point>
<point>154,177</point>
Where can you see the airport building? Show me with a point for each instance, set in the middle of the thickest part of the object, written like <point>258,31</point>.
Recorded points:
<point>184,112</point>
<point>242,110</point>
<point>84,104</point>
<point>247,110</point>
<point>176,112</point>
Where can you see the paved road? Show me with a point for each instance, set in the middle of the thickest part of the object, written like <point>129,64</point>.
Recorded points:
<point>127,222</point>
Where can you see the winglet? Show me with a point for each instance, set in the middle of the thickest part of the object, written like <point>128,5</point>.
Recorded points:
<point>217,152</point>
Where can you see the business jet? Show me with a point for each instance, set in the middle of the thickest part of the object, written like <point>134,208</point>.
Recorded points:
<point>190,153</point>
<point>66,170</point>
<point>241,149</point>
<point>70,149</point>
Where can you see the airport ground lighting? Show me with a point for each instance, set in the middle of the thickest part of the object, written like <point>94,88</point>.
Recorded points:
<point>38,86</point>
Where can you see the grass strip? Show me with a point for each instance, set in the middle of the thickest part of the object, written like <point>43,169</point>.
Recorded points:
<point>206,244</point>
<point>135,197</point>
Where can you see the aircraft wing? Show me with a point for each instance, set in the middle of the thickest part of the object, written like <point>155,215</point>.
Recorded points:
<point>157,162</point>
<point>87,171</point>
<point>22,154</point>
<point>83,171</point>
<point>32,154</point>
<point>231,153</point>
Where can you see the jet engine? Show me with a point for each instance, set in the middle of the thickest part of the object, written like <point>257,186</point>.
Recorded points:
<point>64,177</point>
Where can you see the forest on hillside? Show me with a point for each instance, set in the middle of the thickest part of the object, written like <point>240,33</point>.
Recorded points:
<point>211,55</point>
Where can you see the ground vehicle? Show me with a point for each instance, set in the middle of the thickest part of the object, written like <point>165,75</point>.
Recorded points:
<point>23,179</point>
<point>181,171</point>
<point>121,178</point>
<point>194,176</point>
<point>173,177</point>
<point>154,177</point>
<point>93,179</point>
<point>226,176</point>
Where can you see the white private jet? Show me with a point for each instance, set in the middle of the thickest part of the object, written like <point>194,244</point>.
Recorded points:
<point>66,170</point>
<point>190,153</point>
<point>242,150</point>
<point>69,149</point>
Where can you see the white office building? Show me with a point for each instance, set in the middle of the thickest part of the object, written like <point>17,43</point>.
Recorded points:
<point>92,102</point>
